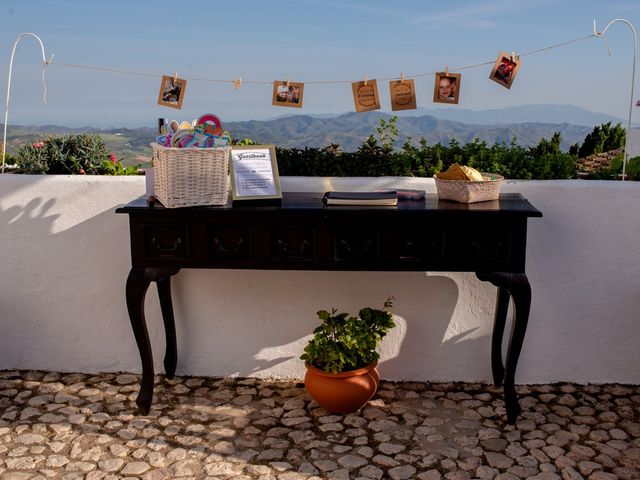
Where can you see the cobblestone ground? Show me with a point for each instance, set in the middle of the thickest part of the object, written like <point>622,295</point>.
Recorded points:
<point>75,426</point>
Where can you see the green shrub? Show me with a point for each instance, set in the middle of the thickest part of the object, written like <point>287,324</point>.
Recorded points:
<point>603,138</point>
<point>609,173</point>
<point>424,160</point>
<point>633,168</point>
<point>343,342</point>
<point>70,154</point>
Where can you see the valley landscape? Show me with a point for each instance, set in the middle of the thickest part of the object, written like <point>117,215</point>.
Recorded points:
<point>521,125</point>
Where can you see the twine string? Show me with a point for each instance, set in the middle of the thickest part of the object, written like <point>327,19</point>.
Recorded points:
<point>234,82</point>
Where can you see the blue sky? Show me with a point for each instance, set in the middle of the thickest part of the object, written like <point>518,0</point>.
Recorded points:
<point>304,40</point>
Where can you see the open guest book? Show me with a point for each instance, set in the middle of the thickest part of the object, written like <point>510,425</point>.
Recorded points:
<point>361,198</point>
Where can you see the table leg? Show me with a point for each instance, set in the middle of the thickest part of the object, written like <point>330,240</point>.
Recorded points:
<point>137,285</point>
<point>502,306</point>
<point>517,285</point>
<point>166,305</point>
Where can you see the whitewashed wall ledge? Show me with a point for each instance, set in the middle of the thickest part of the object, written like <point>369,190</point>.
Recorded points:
<point>65,258</point>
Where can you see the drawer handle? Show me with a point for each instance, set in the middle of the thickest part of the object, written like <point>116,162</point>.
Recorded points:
<point>481,248</point>
<point>232,249</point>
<point>175,246</point>
<point>299,249</point>
<point>363,247</point>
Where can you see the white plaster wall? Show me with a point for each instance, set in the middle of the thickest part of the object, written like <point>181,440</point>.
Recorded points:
<point>634,142</point>
<point>65,258</point>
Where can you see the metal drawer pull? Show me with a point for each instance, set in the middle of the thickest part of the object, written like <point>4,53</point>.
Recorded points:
<point>299,249</point>
<point>483,248</point>
<point>232,249</point>
<point>176,244</point>
<point>363,247</point>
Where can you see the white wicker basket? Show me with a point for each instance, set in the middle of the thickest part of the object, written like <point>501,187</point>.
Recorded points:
<point>186,177</point>
<point>468,191</point>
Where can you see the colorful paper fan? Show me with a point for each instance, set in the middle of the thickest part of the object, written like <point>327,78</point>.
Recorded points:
<point>210,118</point>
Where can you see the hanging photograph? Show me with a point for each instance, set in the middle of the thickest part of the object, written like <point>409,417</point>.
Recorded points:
<point>446,88</point>
<point>365,95</point>
<point>403,94</point>
<point>505,69</point>
<point>287,94</point>
<point>171,91</point>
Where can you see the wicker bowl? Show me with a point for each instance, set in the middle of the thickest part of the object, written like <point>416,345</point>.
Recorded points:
<point>468,191</point>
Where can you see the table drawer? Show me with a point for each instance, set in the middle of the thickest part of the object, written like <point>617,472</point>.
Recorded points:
<point>166,242</point>
<point>358,245</point>
<point>293,243</point>
<point>409,245</point>
<point>476,244</point>
<point>229,242</point>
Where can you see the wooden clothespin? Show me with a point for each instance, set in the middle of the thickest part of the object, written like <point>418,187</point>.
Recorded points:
<point>365,80</point>
<point>446,71</point>
<point>513,56</point>
<point>288,81</point>
<point>237,82</point>
<point>175,77</point>
<point>401,77</point>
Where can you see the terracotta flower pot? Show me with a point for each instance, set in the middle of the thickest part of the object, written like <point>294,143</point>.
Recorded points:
<point>342,392</point>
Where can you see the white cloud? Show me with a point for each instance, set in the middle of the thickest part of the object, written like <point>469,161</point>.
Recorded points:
<point>476,16</point>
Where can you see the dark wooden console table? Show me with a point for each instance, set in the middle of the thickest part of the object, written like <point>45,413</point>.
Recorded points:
<point>487,238</point>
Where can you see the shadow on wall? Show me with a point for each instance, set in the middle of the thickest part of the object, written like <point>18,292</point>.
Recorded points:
<point>250,322</point>
<point>62,292</point>
<point>66,259</point>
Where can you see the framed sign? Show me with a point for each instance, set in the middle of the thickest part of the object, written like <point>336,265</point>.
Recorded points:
<point>403,94</point>
<point>254,173</point>
<point>365,95</point>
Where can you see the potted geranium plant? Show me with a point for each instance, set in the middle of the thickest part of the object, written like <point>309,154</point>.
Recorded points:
<point>342,356</point>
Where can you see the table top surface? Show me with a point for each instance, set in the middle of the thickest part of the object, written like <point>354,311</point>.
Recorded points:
<point>508,203</point>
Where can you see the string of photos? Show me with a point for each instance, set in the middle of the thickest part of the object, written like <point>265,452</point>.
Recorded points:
<point>286,93</point>
<point>402,90</point>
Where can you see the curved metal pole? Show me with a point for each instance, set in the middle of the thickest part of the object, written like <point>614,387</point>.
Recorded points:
<point>633,80</point>
<point>6,103</point>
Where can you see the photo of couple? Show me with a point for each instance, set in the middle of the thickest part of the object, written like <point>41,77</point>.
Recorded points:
<point>505,69</point>
<point>287,94</point>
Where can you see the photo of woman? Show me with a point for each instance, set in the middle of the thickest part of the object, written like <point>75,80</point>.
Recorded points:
<point>447,87</point>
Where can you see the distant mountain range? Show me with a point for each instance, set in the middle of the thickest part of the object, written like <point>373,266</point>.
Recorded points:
<point>503,116</point>
<point>349,130</point>
<point>526,124</point>
<point>523,114</point>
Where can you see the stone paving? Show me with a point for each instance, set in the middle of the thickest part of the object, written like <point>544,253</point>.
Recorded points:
<point>78,426</point>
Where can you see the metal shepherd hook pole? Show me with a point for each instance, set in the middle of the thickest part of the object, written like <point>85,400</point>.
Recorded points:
<point>633,80</point>
<point>45,62</point>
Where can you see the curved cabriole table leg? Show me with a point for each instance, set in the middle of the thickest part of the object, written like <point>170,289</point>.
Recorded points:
<point>502,306</point>
<point>166,305</point>
<point>138,283</point>
<point>517,286</point>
